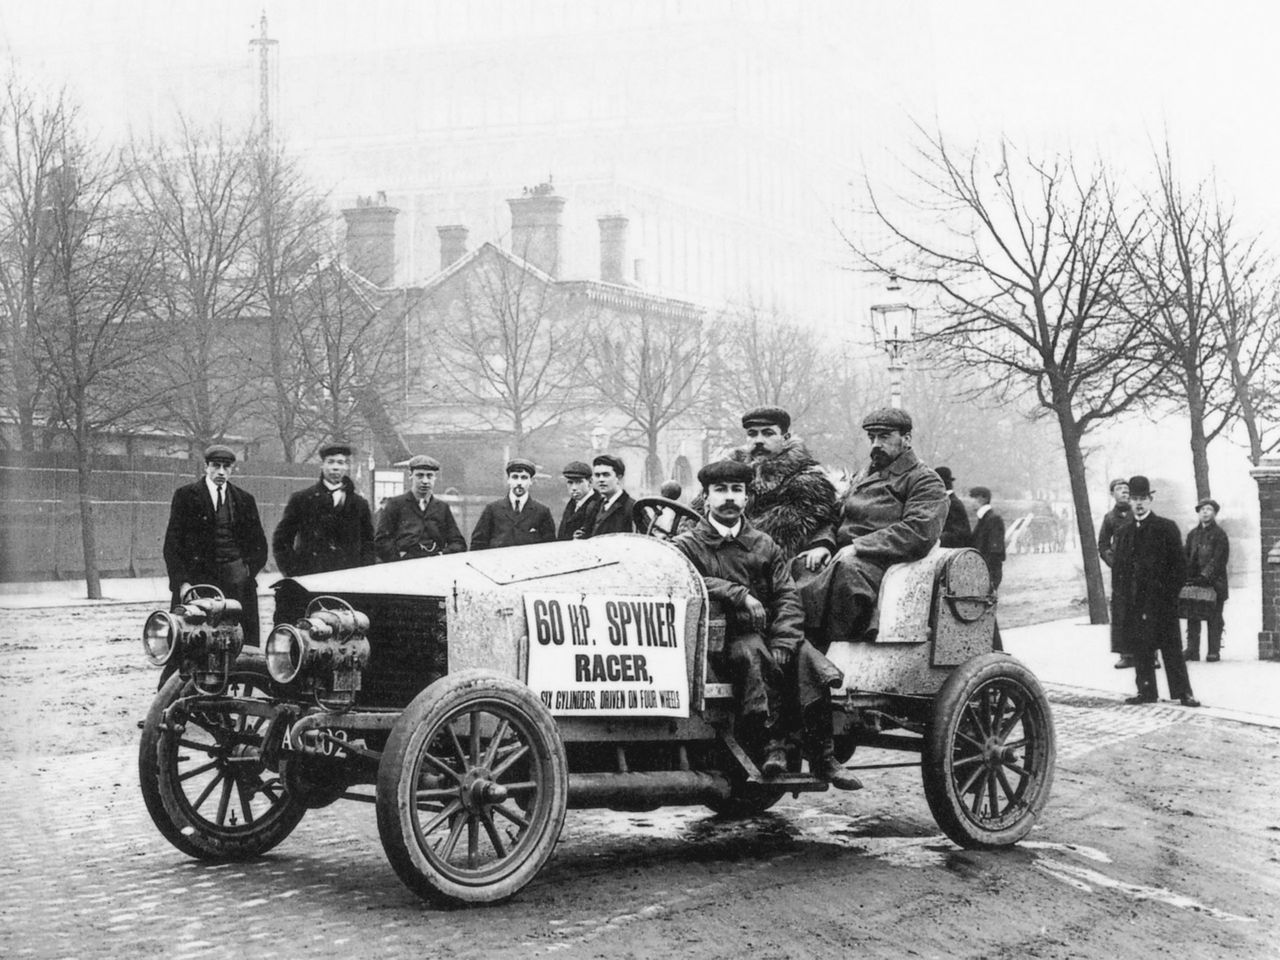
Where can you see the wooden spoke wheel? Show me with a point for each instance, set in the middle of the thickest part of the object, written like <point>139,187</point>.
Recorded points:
<point>989,752</point>
<point>472,789</point>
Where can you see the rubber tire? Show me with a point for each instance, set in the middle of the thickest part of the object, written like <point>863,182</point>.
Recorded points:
<point>743,803</point>
<point>170,808</point>
<point>426,716</point>
<point>1017,815</point>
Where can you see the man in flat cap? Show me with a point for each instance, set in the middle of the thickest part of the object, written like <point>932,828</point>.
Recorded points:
<point>327,526</point>
<point>417,523</point>
<point>1208,551</point>
<point>1147,572</point>
<point>614,512</point>
<point>747,573</point>
<point>516,519</point>
<point>215,536</point>
<point>1119,514</point>
<point>893,512</point>
<point>791,498</point>
<point>583,502</point>
<point>956,531</point>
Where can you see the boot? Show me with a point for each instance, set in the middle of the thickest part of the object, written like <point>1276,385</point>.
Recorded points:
<point>775,760</point>
<point>826,767</point>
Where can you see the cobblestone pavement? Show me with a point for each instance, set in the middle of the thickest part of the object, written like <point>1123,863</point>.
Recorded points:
<point>87,875</point>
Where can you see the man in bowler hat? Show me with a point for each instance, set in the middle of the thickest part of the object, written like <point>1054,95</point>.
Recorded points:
<point>327,526</point>
<point>516,519</point>
<point>955,529</point>
<point>583,502</point>
<point>417,523</point>
<point>215,537</point>
<point>1147,571</point>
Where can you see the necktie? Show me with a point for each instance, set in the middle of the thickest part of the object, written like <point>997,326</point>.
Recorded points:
<point>219,504</point>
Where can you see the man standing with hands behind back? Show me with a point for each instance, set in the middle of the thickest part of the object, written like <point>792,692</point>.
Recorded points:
<point>1147,572</point>
<point>516,519</point>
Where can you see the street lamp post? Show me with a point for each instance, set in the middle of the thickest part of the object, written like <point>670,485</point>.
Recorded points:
<point>893,325</point>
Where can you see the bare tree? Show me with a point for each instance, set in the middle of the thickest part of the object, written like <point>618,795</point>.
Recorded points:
<point>766,358</point>
<point>508,345</point>
<point>293,233</point>
<point>653,368</point>
<point>1028,273</point>
<point>200,197</point>
<point>94,351</point>
<point>31,133</point>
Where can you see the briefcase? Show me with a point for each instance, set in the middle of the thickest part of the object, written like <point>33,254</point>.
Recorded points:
<point>1196,603</point>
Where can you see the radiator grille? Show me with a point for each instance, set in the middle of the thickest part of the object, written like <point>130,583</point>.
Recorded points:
<point>408,641</point>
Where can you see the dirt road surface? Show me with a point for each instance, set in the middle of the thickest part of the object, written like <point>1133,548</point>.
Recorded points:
<point>1162,839</point>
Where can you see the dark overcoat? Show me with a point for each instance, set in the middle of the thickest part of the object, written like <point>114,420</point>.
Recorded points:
<point>578,515</point>
<point>500,526</point>
<point>1148,570</point>
<point>955,529</point>
<point>988,540</point>
<point>615,519</point>
<point>1114,519</point>
<point>189,546</point>
<point>1208,551</point>
<point>314,536</point>
<point>406,531</point>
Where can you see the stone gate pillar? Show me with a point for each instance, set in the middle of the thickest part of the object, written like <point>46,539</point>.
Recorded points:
<point>1268,476</point>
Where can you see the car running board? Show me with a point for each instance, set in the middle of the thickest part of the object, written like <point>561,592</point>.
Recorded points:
<point>788,783</point>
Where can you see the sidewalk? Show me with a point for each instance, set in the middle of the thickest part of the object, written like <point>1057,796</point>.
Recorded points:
<point>1065,653</point>
<point>1076,654</point>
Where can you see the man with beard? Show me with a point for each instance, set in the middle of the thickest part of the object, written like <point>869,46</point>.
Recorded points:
<point>583,502</point>
<point>516,519</point>
<point>746,572</point>
<point>1147,571</point>
<point>417,523</point>
<point>326,526</point>
<point>893,512</point>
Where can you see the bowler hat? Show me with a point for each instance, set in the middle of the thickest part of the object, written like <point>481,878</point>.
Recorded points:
<point>1208,501</point>
<point>1139,486</point>
<point>887,418</point>
<point>945,474</point>
<point>767,417</point>
<point>423,462</point>
<point>609,460</point>
<point>521,465</point>
<point>725,471</point>
<point>576,470</point>
<point>219,453</point>
<point>335,448</point>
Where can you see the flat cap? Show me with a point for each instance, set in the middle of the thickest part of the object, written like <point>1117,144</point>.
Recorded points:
<point>767,417</point>
<point>521,465</point>
<point>335,448</point>
<point>981,493</point>
<point>887,418</point>
<point>1209,502</point>
<point>725,471</point>
<point>1117,482</point>
<point>577,470</point>
<point>609,460</point>
<point>1139,486</point>
<point>423,462</point>
<point>220,453</point>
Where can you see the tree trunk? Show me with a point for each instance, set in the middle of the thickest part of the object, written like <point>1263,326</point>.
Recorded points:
<point>88,534</point>
<point>1084,519</point>
<point>1199,444</point>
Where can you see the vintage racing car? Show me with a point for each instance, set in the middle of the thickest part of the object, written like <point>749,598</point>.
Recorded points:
<point>474,698</point>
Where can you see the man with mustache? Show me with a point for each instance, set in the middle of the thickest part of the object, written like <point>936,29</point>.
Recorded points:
<point>517,519</point>
<point>893,512</point>
<point>746,572</point>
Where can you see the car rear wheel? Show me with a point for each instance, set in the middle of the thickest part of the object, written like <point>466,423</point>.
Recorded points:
<point>202,774</point>
<point>989,752</point>
<point>472,789</point>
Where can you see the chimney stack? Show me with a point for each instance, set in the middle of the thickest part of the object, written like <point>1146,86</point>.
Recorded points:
<point>371,239</point>
<point>613,247</point>
<point>453,244</point>
<point>535,227</point>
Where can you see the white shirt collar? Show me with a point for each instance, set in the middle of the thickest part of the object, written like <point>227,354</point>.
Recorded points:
<point>983,510</point>
<point>727,532</point>
<point>516,502</point>
<point>611,500</point>
<point>213,490</point>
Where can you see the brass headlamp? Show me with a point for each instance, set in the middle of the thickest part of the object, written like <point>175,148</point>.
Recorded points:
<point>324,653</point>
<point>202,635</point>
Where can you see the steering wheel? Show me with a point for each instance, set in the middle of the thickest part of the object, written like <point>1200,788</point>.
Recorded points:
<point>659,517</point>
